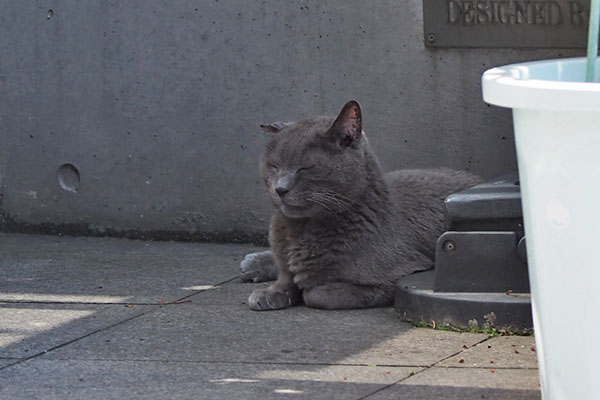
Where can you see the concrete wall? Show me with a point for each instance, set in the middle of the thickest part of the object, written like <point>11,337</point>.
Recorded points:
<point>140,117</point>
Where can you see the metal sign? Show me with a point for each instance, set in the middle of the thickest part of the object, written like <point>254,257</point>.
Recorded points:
<point>506,23</point>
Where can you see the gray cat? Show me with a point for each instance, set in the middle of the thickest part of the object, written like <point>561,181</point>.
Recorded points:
<point>343,232</point>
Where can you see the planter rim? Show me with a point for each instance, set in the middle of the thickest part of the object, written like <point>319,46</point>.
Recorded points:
<point>538,86</point>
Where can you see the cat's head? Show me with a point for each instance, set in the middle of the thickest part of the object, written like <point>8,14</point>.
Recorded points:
<point>317,164</point>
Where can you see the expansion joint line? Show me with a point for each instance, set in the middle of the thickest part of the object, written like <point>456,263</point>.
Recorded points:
<point>179,301</point>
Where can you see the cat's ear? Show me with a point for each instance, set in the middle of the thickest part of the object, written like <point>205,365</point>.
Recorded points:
<point>347,128</point>
<point>275,127</point>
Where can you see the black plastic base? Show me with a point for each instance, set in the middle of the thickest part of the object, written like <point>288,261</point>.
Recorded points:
<point>416,301</point>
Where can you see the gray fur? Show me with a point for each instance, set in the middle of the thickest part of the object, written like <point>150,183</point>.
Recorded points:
<point>343,232</point>
<point>258,267</point>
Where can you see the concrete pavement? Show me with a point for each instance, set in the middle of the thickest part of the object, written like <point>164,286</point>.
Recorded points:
<point>102,318</point>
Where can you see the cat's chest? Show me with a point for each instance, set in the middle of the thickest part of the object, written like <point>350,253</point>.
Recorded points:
<point>314,245</point>
<point>313,233</point>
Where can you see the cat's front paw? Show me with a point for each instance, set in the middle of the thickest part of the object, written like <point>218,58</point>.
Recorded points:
<point>273,298</point>
<point>258,267</point>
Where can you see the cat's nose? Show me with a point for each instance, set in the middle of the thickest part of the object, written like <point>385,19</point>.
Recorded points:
<point>281,190</point>
<point>283,185</point>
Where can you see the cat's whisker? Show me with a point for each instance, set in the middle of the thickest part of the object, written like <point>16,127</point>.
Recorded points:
<point>338,198</point>
<point>324,202</point>
<point>321,203</point>
<point>338,205</point>
<point>330,201</point>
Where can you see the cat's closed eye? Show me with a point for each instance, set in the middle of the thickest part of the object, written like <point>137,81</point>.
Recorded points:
<point>305,168</point>
<point>272,166</point>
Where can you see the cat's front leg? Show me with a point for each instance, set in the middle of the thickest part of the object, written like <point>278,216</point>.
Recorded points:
<point>284,292</point>
<point>258,267</point>
<point>281,294</point>
<point>340,295</point>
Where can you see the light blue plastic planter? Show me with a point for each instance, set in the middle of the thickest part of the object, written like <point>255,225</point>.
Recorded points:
<point>556,119</point>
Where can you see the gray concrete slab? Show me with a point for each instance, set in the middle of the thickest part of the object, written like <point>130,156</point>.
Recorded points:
<point>499,352</point>
<point>465,383</point>
<point>104,270</point>
<point>64,379</point>
<point>58,341</point>
<point>233,333</point>
<point>496,378</point>
<point>30,329</point>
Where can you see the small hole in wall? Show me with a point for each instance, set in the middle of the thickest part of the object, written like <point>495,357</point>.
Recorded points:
<point>67,177</point>
<point>50,14</point>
